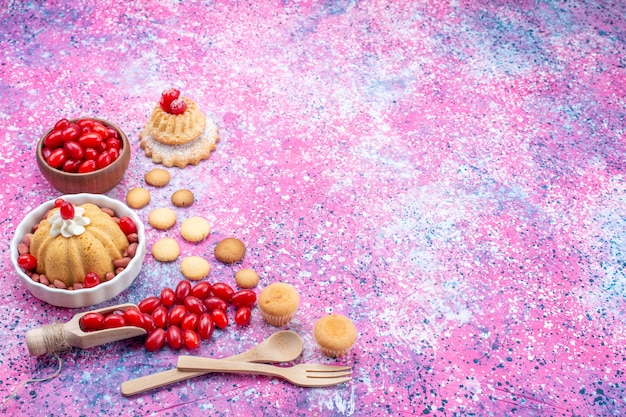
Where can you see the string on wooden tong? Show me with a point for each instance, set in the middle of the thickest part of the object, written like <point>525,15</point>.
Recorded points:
<point>55,341</point>
<point>54,338</point>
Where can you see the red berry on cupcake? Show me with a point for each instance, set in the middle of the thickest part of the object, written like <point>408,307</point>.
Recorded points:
<point>178,106</point>
<point>167,97</point>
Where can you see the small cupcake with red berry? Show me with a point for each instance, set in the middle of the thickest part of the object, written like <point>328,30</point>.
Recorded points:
<point>178,133</point>
<point>335,335</point>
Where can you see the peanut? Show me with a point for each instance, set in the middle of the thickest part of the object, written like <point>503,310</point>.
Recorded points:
<point>121,262</point>
<point>131,250</point>
<point>108,211</point>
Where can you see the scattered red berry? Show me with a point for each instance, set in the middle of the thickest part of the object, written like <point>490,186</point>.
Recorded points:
<point>201,290</point>
<point>191,339</point>
<point>168,297</point>
<point>160,317</point>
<point>176,315</point>
<point>243,315</point>
<point>220,318</point>
<point>183,289</point>
<point>205,326</point>
<point>174,337</point>
<point>223,291</point>
<point>148,323</point>
<point>155,340</point>
<point>190,314</point>
<point>243,298</point>
<point>215,303</point>
<point>190,322</point>
<point>194,305</point>
<point>149,304</point>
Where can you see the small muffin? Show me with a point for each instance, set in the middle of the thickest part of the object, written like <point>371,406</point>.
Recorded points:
<point>335,334</point>
<point>278,303</point>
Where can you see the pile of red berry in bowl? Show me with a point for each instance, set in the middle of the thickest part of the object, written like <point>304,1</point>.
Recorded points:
<point>93,289</point>
<point>86,155</point>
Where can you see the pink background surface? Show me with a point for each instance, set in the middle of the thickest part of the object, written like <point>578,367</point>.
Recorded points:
<point>450,175</point>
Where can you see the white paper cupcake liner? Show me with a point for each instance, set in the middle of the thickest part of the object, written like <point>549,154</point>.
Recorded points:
<point>333,353</point>
<point>277,321</point>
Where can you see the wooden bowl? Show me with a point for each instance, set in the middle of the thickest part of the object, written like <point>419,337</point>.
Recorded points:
<point>96,182</point>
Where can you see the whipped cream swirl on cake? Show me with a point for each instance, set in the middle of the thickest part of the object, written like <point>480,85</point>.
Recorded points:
<point>68,228</point>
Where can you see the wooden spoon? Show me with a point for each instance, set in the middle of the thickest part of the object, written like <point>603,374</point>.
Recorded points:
<point>44,339</point>
<point>283,346</point>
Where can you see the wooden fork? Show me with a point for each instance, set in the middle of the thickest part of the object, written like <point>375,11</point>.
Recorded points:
<point>304,375</point>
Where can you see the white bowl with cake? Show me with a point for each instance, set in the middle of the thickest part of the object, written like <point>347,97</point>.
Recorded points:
<point>95,244</point>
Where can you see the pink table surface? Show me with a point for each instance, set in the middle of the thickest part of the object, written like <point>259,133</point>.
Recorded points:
<point>450,175</point>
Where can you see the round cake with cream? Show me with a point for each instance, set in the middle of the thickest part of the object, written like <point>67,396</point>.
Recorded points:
<point>67,249</point>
